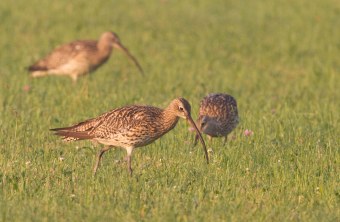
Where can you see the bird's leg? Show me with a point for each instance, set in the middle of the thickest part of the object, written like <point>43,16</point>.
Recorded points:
<point>94,143</point>
<point>225,140</point>
<point>129,165</point>
<point>74,78</point>
<point>128,157</point>
<point>196,139</point>
<point>209,138</point>
<point>99,156</point>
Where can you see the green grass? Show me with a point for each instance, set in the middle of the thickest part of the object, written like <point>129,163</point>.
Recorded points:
<point>279,59</point>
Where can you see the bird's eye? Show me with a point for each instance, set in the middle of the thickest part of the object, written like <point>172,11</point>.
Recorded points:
<point>181,108</point>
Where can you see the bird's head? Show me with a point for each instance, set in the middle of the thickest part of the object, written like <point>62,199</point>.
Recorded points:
<point>181,108</point>
<point>113,40</point>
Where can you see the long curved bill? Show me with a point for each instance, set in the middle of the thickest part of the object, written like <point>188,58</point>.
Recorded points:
<point>126,51</point>
<point>198,134</point>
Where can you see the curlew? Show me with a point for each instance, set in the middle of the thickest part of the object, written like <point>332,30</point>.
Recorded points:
<point>218,115</point>
<point>80,57</point>
<point>130,127</point>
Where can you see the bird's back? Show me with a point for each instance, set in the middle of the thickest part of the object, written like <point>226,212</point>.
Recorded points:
<point>127,126</point>
<point>219,106</point>
<point>66,53</point>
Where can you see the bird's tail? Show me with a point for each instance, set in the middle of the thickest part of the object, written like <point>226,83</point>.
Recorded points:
<point>34,68</point>
<point>80,131</point>
<point>71,136</point>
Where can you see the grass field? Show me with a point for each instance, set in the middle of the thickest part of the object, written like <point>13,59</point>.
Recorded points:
<point>279,59</point>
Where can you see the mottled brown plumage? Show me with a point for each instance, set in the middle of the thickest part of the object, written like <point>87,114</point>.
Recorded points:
<point>79,57</point>
<point>218,115</point>
<point>130,127</point>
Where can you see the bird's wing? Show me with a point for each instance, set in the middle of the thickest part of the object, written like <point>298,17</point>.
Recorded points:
<point>63,54</point>
<point>117,122</point>
<point>127,120</point>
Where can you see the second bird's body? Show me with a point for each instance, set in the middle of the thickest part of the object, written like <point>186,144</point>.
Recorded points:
<point>218,115</point>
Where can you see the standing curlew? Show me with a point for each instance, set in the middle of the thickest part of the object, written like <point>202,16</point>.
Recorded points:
<point>218,115</point>
<point>130,127</point>
<point>79,57</point>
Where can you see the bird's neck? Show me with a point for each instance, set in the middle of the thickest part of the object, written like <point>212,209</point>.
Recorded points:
<point>169,120</point>
<point>104,50</point>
